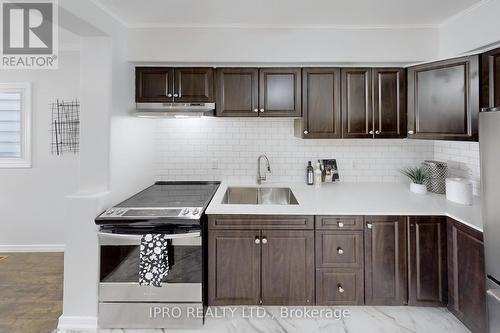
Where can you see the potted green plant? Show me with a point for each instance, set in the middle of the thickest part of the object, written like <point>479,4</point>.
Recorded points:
<point>418,176</point>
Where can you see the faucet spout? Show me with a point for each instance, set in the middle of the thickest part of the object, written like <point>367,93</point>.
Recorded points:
<point>262,177</point>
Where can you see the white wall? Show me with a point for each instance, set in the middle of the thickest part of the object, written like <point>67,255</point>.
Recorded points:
<point>470,30</point>
<point>186,149</point>
<point>32,200</point>
<point>278,45</point>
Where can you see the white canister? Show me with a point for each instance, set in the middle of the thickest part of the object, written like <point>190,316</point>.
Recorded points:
<point>459,190</point>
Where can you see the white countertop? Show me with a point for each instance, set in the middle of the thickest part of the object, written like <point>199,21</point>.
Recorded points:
<point>354,199</point>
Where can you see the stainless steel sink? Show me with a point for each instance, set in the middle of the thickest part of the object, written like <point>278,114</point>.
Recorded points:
<point>259,196</point>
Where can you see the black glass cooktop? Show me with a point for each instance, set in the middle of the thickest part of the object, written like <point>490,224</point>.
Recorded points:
<point>173,194</point>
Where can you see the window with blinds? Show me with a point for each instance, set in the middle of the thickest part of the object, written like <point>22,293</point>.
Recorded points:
<point>14,125</point>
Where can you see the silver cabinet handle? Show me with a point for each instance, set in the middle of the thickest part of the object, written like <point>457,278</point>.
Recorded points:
<point>257,240</point>
<point>411,132</point>
<point>377,132</point>
<point>371,132</point>
<point>169,95</point>
<point>264,240</point>
<point>340,250</point>
<point>261,110</point>
<point>255,110</point>
<point>306,132</point>
<point>176,95</point>
<point>340,224</point>
<point>369,225</point>
<point>340,289</point>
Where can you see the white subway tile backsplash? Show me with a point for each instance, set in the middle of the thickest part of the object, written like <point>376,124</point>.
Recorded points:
<point>185,149</point>
<point>462,159</point>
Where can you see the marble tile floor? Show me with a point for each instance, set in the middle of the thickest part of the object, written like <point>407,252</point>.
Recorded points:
<point>360,319</point>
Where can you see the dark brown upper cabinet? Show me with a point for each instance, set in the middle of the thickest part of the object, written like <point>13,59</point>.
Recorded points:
<point>443,100</point>
<point>357,108</point>
<point>490,79</point>
<point>280,92</point>
<point>321,104</point>
<point>466,276</point>
<point>385,260</point>
<point>164,84</point>
<point>373,103</point>
<point>194,84</point>
<point>427,270</point>
<point>389,102</point>
<point>154,84</point>
<point>237,92</point>
<point>265,92</point>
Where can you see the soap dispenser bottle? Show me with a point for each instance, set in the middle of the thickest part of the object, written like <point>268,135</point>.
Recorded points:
<point>318,175</point>
<point>309,174</point>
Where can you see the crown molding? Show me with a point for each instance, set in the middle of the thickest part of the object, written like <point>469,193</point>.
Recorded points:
<point>463,13</point>
<point>282,26</point>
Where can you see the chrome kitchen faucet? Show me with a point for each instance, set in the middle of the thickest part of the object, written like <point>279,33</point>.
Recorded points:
<point>260,177</point>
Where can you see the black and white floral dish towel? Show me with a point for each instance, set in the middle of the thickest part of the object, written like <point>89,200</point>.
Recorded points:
<point>153,266</point>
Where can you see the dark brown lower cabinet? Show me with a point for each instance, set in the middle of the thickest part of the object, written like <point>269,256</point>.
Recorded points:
<point>339,286</point>
<point>262,266</point>
<point>287,267</point>
<point>385,260</point>
<point>233,267</point>
<point>428,279</point>
<point>466,276</point>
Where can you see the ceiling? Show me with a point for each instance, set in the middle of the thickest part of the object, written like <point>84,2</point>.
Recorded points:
<point>151,13</point>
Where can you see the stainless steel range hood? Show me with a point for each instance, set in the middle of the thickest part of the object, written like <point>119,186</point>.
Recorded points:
<point>174,110</point>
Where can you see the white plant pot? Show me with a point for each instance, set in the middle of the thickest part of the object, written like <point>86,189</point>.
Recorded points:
<point>418,188</point>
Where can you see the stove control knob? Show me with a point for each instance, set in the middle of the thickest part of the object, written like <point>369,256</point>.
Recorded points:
<point>196,211</point>
<point>185,211</point>
<point>110,211</point>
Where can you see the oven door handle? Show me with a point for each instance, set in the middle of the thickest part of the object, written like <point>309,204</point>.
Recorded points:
<point>106,238</point>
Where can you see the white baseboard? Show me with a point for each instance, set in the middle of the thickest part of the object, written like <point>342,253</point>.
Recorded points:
<point>32,248</point>
<point>77,323</point>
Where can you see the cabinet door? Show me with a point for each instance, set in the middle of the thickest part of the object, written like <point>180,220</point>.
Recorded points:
<point>194,84</point>
<point>287,267</point>
<point>357,110</point>
<point>280,92</point>
<point>443,100</point>
<point>233,267</point>
<point>154,84</point>
<point>385,260</point>
<point>490,79</point>
<point>237,92</point>
<point>427,261</point>
<point>389,102</point>
<point>466,276</point>
<point>321,100</point>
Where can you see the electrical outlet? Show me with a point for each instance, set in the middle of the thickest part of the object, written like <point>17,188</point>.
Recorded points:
<point>215,163</point>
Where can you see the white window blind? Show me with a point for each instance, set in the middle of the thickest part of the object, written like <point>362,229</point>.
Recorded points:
<point>15,125</point>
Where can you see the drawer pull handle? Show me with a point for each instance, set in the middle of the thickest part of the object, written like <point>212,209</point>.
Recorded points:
<point>264,240</point>
<point>340,250</point>
<point>340,224</point>
<point>341,290</point>
<point>257,240</point>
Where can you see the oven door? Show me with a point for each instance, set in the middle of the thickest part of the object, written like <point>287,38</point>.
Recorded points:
<point>119,270</point>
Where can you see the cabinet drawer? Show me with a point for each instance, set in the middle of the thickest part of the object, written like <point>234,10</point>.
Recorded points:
<point>339,287</point>
<point>260,222</point>
<point>339,222</point>
<point>343,249</point>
